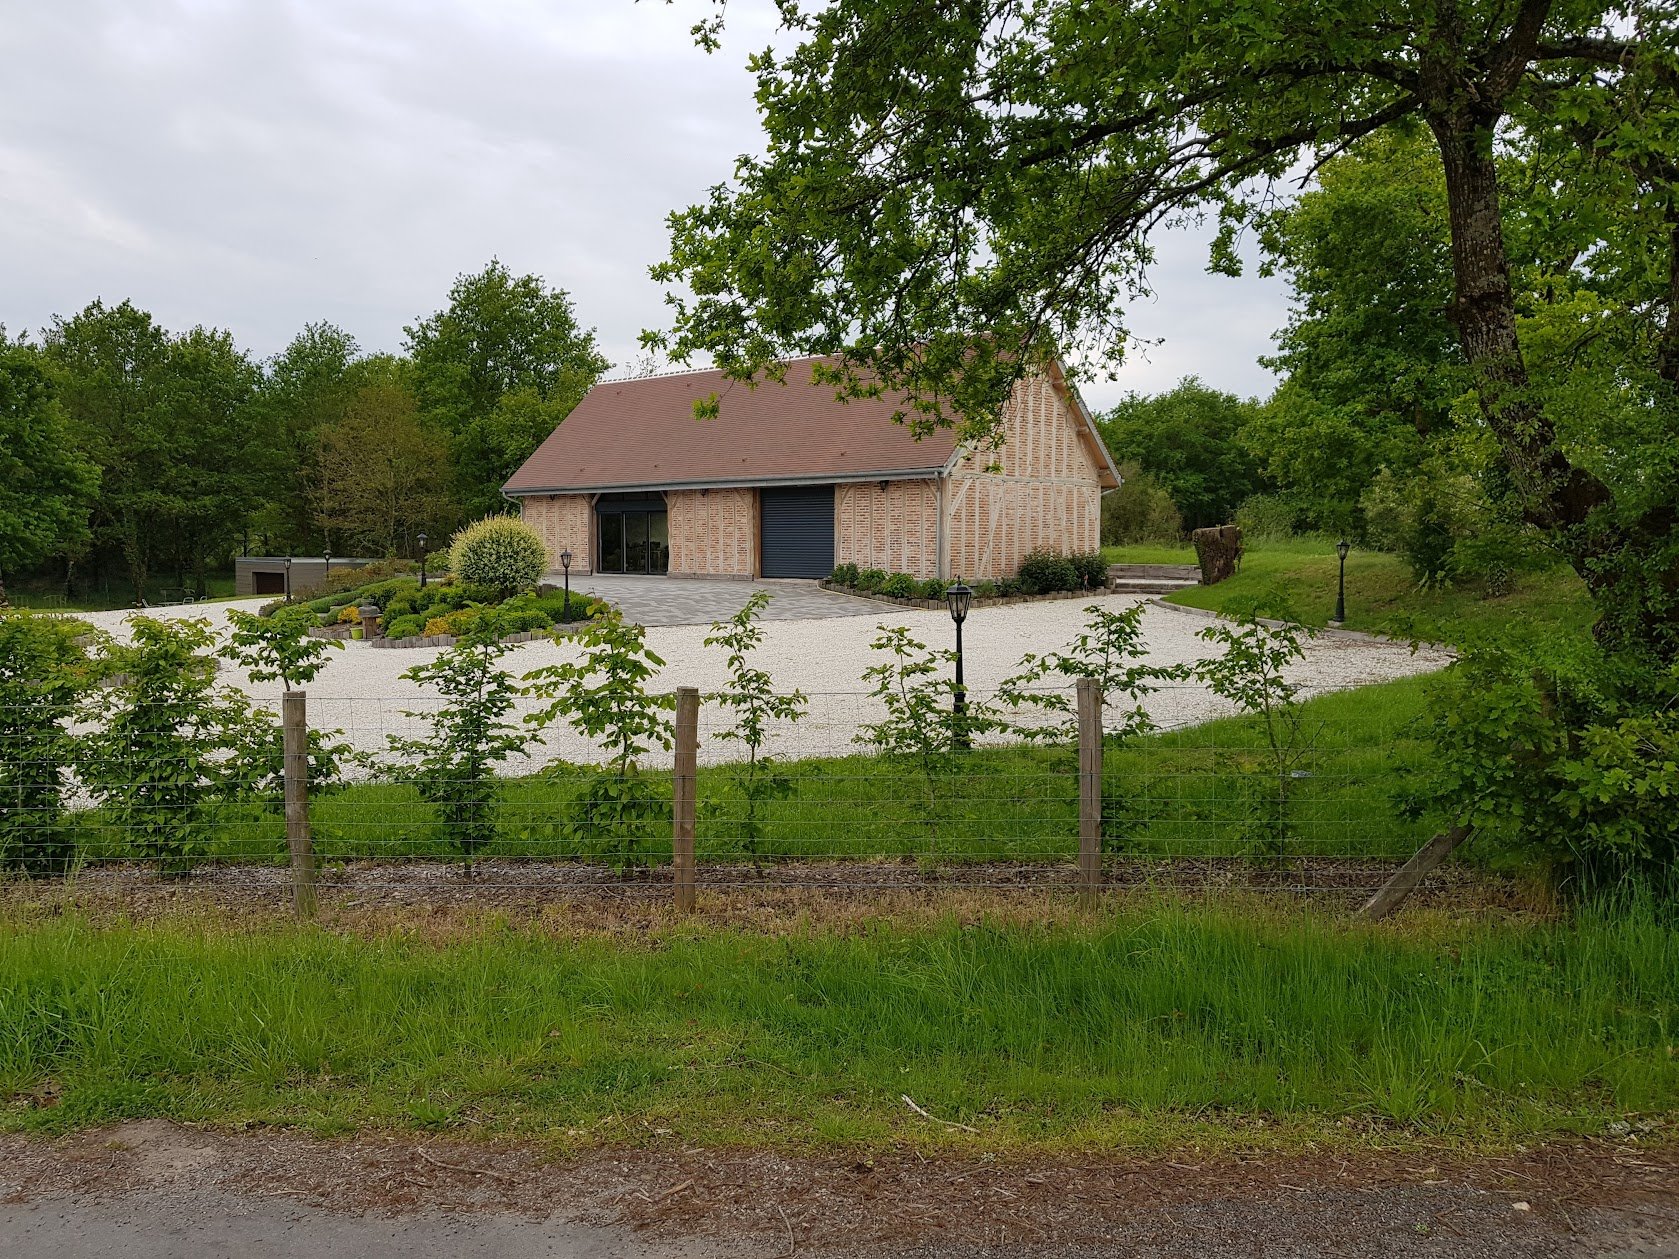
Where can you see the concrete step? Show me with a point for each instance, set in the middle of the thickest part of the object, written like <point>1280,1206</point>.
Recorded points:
<point>1176,572</point>
<point>1152,579</point>
<point>1150,587</point>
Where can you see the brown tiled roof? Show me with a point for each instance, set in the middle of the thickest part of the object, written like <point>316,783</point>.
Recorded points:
<point>642,433</point>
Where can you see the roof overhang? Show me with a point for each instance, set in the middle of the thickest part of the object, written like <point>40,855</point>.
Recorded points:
<point>737,483</point>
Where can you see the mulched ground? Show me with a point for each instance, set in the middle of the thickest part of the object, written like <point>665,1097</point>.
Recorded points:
<point>531,889</point>
<point>1556,1201</point>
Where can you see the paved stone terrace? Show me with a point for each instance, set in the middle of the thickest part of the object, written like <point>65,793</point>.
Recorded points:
<point>700,601</point>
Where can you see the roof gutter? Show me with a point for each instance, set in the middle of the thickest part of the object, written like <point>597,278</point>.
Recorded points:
<point>618,487</point>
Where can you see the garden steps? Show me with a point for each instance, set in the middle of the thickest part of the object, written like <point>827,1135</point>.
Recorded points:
<point>1152,579</point>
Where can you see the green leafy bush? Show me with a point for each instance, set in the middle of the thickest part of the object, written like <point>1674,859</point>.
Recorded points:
<point>931,588</point>
<point>410,626</point>
<point>1044,572</point>
<point>502,553</point>
<point>869,580</point>
<point>985,588</point>
<point>1140,510</point>
<point>1268,518</point>
<point>898,586</point>
<point>453,767</point>
<point>844,575</point>
<point>1558,754</point>
<point>350,577</point>
<point>43,672</point>
<point>1009,587</point>
<point>1092,569</point>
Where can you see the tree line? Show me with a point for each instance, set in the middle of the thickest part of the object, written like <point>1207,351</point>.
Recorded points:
<point>134,453</point>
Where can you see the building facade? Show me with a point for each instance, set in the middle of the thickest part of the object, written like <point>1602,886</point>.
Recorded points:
<point>788,481</point>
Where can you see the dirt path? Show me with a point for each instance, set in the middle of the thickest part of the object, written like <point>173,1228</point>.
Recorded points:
<point>151,1189</point>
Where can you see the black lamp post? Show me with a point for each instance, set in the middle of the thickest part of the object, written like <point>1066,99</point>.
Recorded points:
<point>565,565</point>
<point>422,537</point>
<point>326,553</point>
<point>288,579</point>
<point>959,597</point>
<point>1341,549</point>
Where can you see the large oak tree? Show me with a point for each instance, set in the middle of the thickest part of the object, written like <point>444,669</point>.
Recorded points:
<point>953,187</point>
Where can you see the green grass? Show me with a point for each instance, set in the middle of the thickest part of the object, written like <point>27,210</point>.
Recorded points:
<point>1149,553</point>
<point>115,594</point>
<point>1151,1026</point>
<point>1382,595</point>
<point>1187,792</point>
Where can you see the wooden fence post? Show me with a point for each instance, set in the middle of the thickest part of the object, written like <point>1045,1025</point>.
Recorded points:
<point>294,724</point>
<point>684,784</point>
<point>1090,790</point>
<point>1405,881</point>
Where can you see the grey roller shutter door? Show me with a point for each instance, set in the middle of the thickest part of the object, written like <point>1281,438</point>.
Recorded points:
<point>798,530</point>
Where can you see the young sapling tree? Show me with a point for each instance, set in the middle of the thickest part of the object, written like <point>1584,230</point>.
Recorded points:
<point>43,672</point>
<point>603,696</point>
<point>751,697</point>
<point>166,744</point>
<point>468,736</point>
<point>1249,672</point>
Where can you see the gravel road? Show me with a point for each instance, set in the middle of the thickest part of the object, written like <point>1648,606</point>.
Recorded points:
<point>362,692</point>
<point>155,1190</point>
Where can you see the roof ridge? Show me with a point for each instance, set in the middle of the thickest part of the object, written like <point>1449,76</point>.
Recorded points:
<point>694,371</point>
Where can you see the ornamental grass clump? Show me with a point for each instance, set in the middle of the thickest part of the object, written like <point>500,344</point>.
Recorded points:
<point>499,553</point>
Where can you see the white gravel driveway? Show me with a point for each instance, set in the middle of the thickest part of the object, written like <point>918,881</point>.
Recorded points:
<point>361,691</point>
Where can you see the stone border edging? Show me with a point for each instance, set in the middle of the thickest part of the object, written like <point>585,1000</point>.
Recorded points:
<point>1326,632</point>
<point>449,640</point>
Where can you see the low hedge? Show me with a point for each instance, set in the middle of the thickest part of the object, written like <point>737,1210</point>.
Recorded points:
<point>1042,572</point>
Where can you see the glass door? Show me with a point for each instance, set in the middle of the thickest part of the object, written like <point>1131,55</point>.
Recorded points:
<point>635,542</point>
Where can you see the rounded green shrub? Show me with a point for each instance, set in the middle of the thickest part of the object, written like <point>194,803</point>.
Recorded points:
<point>500,553</point>
<point>1044,572</point>
<point>898,586</point>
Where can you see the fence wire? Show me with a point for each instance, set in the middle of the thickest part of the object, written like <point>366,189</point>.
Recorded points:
<point>1205,796</point>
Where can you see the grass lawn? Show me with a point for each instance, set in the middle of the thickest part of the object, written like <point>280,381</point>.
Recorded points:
<point>1190,792</point>
<point>1152,1026</point>
<point>118,593</point>
<point>1382,595</point>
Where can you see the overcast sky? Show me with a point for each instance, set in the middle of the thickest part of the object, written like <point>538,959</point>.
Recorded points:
<point>257,164</point>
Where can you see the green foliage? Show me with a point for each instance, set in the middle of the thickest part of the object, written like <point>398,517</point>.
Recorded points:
<point>1250,674</point>
<point>343,578</point>
<point>1269,518</point>
<point>869,580</point>
<point>46,485</point>
<point>1558,757</point>
<point>468,736</point>
<point>931,588</point>
<point>1110,648</point>
<point>1045,572</point>
<point>1440,520</point>
<point>165,743</point>
<point>944,242</point>
<point>898,586</point>
<point>496,371</point>
<point>1154,1024</point>
<point>500,553</point>
<point>1186,458</point>
<point>1140,510</point>
<point>603,696</point>
<point>757,707</point>
<point>844,575</point>
<point>168,421</point>
<point>278,647</point>
<point>43,673</point>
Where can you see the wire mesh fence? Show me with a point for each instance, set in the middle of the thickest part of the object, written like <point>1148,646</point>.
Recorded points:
<point>1201,794</point>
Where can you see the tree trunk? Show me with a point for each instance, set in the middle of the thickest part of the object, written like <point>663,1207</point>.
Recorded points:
<point>1556,496</point>
<point>1629,566</point>
<point>5,602</point>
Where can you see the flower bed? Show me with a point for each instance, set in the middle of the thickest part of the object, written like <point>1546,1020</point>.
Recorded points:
<point>440,612</point>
